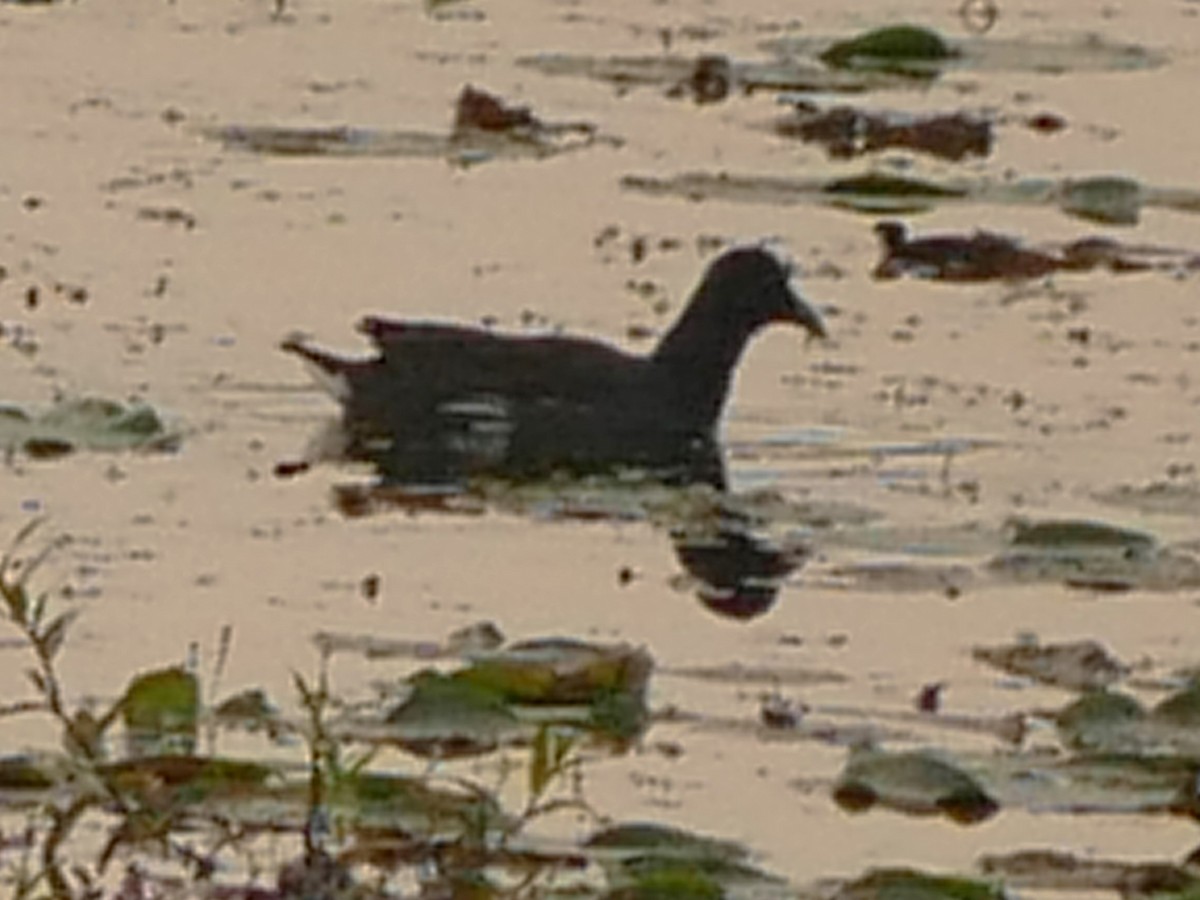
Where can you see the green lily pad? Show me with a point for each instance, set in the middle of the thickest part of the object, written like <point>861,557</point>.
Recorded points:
<point>160,711</point>
<point>901,49</point>
<point>670,883</point>
<point>651,860</point>
<point>412,806</point>
<point>870,193</point>
<point>1088,554</point>
<point>1058,870</point>
<point>1181,709</point>
<point>1065,54</point>
<point>914,782</point>
<point>1161,570</point>
<point>448,716</point>
<point>1109,200</point>
<point>1076,665</point>
<point>910,884</point>
<point>84,423</point>
<point>560,671</point>
<point>1126,782</point>
<point>1057,534</point>
<point>1106,198</point>
<point>1100,720</point>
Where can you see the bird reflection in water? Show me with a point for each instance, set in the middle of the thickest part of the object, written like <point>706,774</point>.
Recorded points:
<point>738,573</point>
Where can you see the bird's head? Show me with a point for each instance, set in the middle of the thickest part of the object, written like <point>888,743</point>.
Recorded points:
<point>757,284</point>
<point>892,234</point>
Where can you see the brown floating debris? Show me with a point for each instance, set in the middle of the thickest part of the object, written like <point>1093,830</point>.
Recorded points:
<point>846,132</point>
<point>1046,123</point>
<point>929,698</point>
<point>485,127</point>
<point>487,112</point>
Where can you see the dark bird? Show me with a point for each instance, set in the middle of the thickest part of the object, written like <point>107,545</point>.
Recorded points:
<point>981,256</point>
<point>440,402</point>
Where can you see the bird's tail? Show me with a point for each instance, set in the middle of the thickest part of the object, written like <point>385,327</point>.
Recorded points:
<point>329,371</point>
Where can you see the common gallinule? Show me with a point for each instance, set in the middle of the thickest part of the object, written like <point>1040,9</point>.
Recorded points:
<point>441,402</point>
<point>980,256</point>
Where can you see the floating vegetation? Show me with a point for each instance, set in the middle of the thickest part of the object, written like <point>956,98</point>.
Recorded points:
<point>444,716</point>
<point>1075,665</point>
<point>648,860</point>
<point>1059,870</point>
<point>504,696</point>
<point>1101,720</point>
<point>485,128</point>
<point>84,423</point>
<point>1089,198</point>
<point>909,50</point>
<point>1172,497</point>
<point>1085,53</point>
<point>884,58</point>
<point>915,782</point>
<point>1101,782</point>
<point>708,77</point>
<point>158,790</point>
<point>898,576</point>
<point>846,132</point>
<point>1092,555</point>
<point>1109,200</point>
<point>1060,534</point>
<point>547,699</point>
<point>910,884</point>
<point>1110,721</point>
<point>160,711</point>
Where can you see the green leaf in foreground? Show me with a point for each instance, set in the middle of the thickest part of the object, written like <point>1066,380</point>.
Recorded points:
<point>160,711</point>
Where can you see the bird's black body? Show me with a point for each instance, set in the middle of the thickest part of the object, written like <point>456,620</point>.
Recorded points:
<point>443,401</point>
